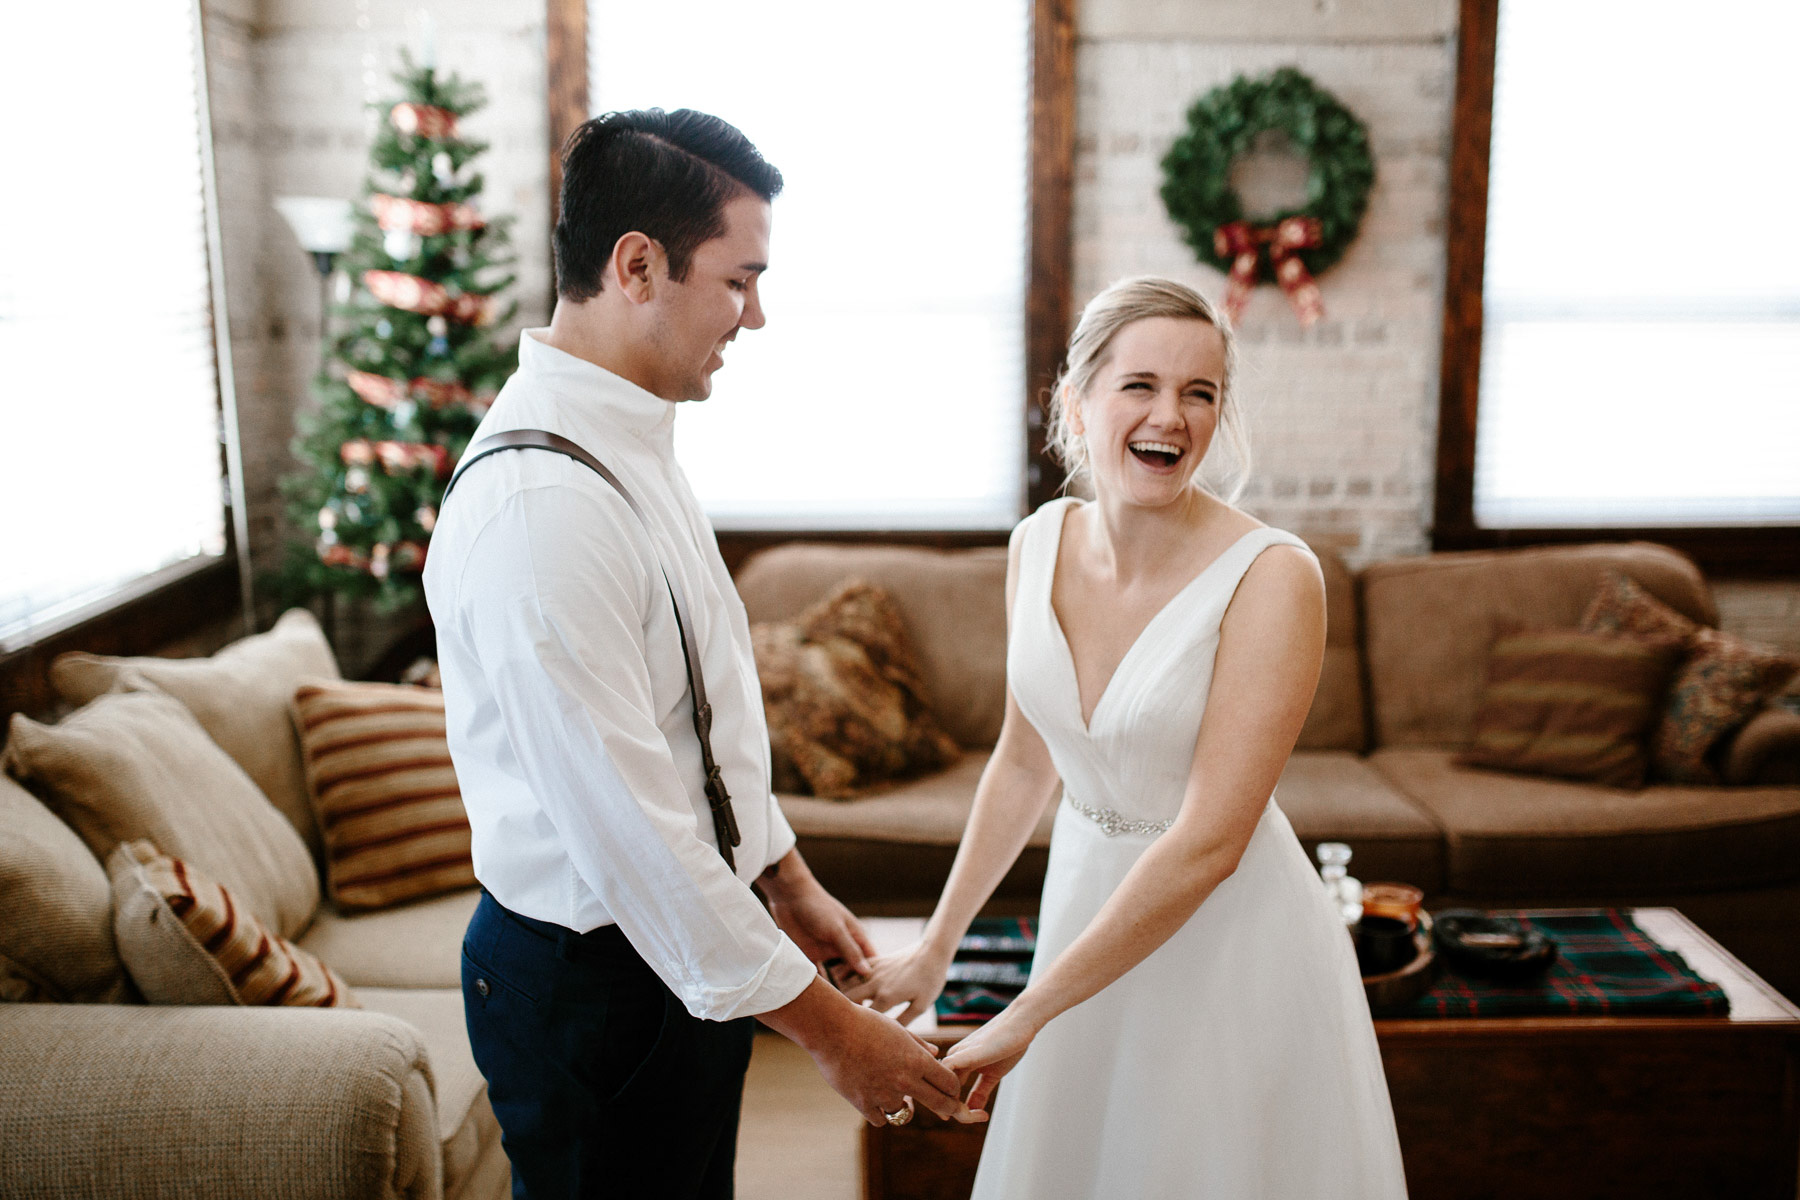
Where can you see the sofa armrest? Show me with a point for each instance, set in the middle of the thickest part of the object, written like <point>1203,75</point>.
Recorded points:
<point>1765,751</point>
<point>196,1103</point>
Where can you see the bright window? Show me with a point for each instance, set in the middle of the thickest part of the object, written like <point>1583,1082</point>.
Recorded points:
<point>887,389</point>
<point>1641,331</point>
<point>109,446</point>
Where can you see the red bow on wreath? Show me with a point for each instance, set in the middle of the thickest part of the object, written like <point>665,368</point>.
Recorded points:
<point>1243,243</point>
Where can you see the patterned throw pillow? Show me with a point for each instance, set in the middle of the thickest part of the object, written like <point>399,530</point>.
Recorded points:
<point>1724,682</point>
<point>845,698</point>
<point>186,941</point>
<point>1571,704</point>
<point>384,792</point>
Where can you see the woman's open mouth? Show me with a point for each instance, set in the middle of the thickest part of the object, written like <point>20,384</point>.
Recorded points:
<point>1160,456</point>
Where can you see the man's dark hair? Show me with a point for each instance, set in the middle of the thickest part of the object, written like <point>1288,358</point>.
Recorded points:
<point>666,175</point>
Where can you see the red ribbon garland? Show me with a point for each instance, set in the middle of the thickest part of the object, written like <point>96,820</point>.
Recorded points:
<point>1243,243</point>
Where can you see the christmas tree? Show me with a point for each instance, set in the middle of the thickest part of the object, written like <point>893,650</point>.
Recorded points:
<point>411,369</point>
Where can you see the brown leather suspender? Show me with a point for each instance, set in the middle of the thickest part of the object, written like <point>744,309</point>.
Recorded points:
<point>724,820</point>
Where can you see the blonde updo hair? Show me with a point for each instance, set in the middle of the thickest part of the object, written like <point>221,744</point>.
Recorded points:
<point>1122,304</point>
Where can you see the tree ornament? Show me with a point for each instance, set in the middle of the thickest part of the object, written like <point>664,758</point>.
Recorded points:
<point>327,519</point>
<point>443,169</point>
<point>403,413</point>
<point>423,120</point>
<point>356,480</point>
<point>352,511</point>
<point>416,216</point>
<point>437,326</point>
<point>378,562</point>
<point>426,517</point>
<point>411,293</point>
<point>1292,246</point>
<point>401,244</point>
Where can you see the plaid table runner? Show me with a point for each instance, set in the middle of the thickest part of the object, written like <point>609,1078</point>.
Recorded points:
<point>1605,966</point>
<point>1005,943</point>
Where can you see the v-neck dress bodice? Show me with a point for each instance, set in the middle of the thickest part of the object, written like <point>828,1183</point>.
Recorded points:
<point>1237,1060</point>
<point>1130,758</point>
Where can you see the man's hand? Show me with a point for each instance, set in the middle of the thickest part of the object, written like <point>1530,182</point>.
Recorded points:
<point>866,1057</point>
<point>821,926</point>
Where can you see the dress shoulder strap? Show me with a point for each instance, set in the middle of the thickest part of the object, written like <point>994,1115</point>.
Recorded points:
<point>1043,537</point>
<point>1236,562</point>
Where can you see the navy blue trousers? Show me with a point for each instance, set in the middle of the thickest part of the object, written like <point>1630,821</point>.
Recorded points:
<point>604,1084</point>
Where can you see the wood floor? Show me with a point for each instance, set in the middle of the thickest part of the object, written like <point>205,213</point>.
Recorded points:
<point>798,1138</point>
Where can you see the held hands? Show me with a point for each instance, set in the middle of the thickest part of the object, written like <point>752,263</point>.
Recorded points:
<point>987,1054</point>
<point>913,977</point>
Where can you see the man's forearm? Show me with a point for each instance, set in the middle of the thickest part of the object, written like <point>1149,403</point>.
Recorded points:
<point>785,877</point>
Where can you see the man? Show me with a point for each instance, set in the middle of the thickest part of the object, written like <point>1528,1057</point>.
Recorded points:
<point>611,969</point>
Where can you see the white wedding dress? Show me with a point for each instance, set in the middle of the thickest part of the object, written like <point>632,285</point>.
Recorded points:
<point>1238,1059</point>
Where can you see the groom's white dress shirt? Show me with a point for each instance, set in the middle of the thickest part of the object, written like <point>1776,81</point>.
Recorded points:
<point>566,693</point>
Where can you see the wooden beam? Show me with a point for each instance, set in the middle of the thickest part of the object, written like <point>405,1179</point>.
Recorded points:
<point>1460,370</point>
<point>567,79</point>
<point>1052,188</point>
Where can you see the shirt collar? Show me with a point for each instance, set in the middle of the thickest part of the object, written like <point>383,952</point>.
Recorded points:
<point>593,393</point>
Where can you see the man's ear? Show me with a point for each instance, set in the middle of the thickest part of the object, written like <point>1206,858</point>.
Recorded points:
<point>637,263</point>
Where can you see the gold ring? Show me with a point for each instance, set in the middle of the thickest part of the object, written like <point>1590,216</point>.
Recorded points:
<point>900,1117</point>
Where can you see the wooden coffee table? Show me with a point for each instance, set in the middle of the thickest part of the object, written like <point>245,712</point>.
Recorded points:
<point>1539,1107</point>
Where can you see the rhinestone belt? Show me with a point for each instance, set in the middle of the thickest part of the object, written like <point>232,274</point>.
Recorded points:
<point>1112,824</point>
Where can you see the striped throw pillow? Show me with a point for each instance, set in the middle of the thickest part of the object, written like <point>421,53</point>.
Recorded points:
<point>382,787</point>
<point>1571,704</point>
<point>185,940</point>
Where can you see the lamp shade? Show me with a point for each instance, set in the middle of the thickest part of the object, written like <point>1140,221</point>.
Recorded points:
<point>321,223</point>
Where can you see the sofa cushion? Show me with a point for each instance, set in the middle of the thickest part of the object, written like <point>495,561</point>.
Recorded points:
<point>929,811</point>
<point>1428,622</point>
<point>56,939</point>
<point>953,603</point>
<point>1333,796</point>
<point>1571,704</point>
<point>467,1130</point>
<point>136,764</point>
<point>185,941</point>
<point>411,945</point>
<point>1338,719</point>
<point>1524,836</point>
<point>240,697</point>
<point>384,791</point>
<point>846,705</point>
<point>1724,682</point>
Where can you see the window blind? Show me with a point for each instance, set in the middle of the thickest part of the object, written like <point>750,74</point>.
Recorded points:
<point>1641,331</point>
<point>109,445</point>
<point>887,389</point>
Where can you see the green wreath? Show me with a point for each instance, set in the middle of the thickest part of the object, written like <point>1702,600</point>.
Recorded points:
<point>1223,124</point>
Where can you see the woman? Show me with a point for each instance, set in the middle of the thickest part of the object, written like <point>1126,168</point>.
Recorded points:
<point>1194,1025</point>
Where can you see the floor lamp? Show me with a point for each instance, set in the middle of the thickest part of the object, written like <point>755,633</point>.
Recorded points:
<point>322,225</point>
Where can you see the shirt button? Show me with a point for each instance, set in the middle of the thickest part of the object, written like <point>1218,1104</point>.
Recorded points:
<point>481,986</point>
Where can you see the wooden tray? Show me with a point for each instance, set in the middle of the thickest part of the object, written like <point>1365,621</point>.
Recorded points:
<point>1394,989</point>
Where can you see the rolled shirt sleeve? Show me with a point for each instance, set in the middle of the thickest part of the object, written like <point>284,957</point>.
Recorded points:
<point>563,652</point>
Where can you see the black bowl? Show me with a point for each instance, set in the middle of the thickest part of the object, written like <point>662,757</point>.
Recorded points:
<point>1492,947</point>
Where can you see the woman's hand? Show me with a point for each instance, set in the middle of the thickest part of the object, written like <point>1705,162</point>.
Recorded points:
<point>989,1053</point>
<point>913,977</point>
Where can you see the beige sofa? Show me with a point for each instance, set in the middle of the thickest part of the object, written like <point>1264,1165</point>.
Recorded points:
<point>108,1096</point>
<point>1374,767</point>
